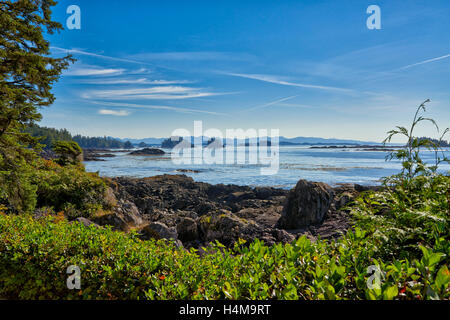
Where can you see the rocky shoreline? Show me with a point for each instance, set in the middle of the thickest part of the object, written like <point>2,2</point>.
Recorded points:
<point>99,154</point>
<point>193,214</point>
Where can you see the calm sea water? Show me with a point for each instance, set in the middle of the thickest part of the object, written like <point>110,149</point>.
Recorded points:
<point>295,162</point>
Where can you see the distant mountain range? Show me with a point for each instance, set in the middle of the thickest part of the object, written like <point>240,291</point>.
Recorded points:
<point>149,141</point>
<point>51,135</point>
<point>315,140</point>
<point>282,141</point>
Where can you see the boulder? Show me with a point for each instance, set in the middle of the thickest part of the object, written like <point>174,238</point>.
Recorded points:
<point>306,204</point>
<point>240,196</point>
<point>264,192</point>
<point>227,228</point>
<point>110,199</point>
<point>265,216</point>
<point>282,236</point>
<point>122,217</point>
<point>158,230</point>
<point>187,229</point>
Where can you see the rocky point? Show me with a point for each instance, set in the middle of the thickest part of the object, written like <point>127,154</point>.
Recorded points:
<point>192,214</point>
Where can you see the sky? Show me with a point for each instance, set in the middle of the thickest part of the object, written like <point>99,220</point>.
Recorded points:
<point>307,68</point>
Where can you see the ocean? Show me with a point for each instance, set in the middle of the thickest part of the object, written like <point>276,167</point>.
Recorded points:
<point>332,166</point>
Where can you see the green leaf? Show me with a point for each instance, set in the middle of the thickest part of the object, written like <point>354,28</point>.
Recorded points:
<point>390,293</point>
<point>442,278</point>
<point>434,258</point>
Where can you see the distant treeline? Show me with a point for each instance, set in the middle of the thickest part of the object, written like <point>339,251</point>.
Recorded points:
<point>442,143</point>
<point>50,135</point>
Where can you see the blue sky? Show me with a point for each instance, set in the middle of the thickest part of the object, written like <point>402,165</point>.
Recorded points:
<point>308,68</point>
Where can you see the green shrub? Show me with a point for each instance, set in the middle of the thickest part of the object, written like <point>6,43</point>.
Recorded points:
<point>401,218</point>
<point>69,188</point>
<point>414,206</point>
<point>69,152</point>
<point>410,154</point>
<point>35,255</point>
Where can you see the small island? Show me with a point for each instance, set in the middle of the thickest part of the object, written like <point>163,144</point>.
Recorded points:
<point>147,152</point>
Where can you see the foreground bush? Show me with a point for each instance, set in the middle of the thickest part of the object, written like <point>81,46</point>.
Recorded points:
<point>35,254</point>
<point>406,215</point>
<point>69,188</point>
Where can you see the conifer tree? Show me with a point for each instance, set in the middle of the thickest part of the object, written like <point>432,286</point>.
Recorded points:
<point>27,73</point>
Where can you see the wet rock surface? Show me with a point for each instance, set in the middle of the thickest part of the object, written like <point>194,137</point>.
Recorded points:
<point>193,213</point>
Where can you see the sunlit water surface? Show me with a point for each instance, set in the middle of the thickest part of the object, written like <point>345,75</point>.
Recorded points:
<point>332,166</point>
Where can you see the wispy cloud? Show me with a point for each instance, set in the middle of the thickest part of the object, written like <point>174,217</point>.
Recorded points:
<point>140,71</point>
<point>277,80</point>
<point>194,56</point>
<point>137,81</point>
<point>120,113</point>
<point>360,68</point>
<point>394,104</point>
<point>265,105</point>
<point>295,105</point>
<point>86,53</point>
<point>152,93</point>
<point>425,61</point>
<point>156,107</point>
<point>93,71</point>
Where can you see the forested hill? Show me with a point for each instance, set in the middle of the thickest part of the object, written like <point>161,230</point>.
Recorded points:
<point>440,143</point>
<point>50,135</point>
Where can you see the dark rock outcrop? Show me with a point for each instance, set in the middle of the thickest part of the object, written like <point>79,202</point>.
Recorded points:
<point>178,201</point>
<point>97,154</point>
<point>187,230</point>
<point>124,215</point>
<point>147,152</point>
<point>307,204</point>
<point>158,230</point>
<point>177,208</point>
<point>188,171</point>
